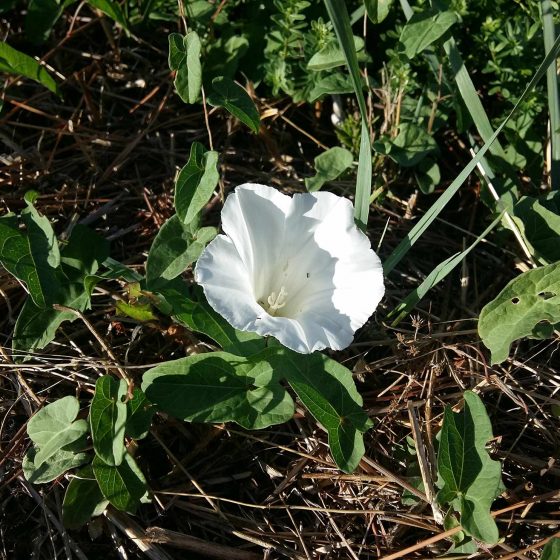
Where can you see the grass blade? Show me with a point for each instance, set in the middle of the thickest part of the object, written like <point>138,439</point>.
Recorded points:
<point>340,19</point>
<point>552,90</point>
<point>436,276</point>
<point>412,237</point>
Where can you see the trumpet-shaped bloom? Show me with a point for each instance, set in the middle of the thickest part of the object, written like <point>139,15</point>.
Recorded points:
<point>296,268</point>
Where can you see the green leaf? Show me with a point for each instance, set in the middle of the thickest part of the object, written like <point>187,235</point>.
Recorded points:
<point>36,327</point>
<point>84,253</point>
<point>190,308</point>
<point>177,52</point>
<point>469,479</point>
<point>551,551</point>
<point>461,543</point>
<point>423,29</point>
<point>329,85</point>
<point>41,17</point>
<point>530,299</point>
<point>56,465</point>
<point>329,165</point>
<point>410,147</point>
<point>338,14</point>
<point>184,58</point>
<point>377,10</point>
<point>327,390</point>
<point>140,412</point>
<point>18,63</point>
<point>196,183</point>
<point>107,419</point>
<point>123,485</point>
<point>54,427</point>
<point>232,97</point>
<point>427,175</point>
<point>118,271</point>
<point>42,240</point>
<point>141,312</point>
<point>220,387</point>
<point>332,56</point>
<point>176,246</point>
<point>83,499</point>
<point>31,255</point>
<point>112,9</point>
<point>539,222</point>
<point>223,54</point>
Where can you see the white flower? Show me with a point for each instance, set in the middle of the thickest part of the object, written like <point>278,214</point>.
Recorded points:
<point>296,268</point>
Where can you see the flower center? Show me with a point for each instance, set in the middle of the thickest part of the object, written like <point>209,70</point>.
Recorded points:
<point>275,301</point>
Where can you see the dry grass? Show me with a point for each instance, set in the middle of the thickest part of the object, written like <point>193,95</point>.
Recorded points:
<point>106,156</point>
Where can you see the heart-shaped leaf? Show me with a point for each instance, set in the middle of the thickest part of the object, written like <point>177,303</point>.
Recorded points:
<point>423,29</point>
<point>54,427</point>
<point>329,165</point>
<point>184,58</point>
<point>56,465</point>
<point>190,308</point>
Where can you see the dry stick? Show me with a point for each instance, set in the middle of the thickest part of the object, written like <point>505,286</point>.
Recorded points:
<point>346,477</point>
<point>209,499</point>
<point>21,379</point>
<point>340,534</point>
<point>206,120</point>
<point>529,548</point>
<point>188,475</point>
<point>394,478</point>
<point>121,158</point>
<point>282,447</point>
<point>268,507</point>
<point>98,337</point>
<point>423,463</point>
<point>302,131</point>
<point>297,532</point>
<point>53,519</point>
<point>136,534</point>
<point>200,546</point>
<point>422,544</point>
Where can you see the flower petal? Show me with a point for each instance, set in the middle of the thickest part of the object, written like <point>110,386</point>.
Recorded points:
<point>222,274</point>
<point>254,217</point>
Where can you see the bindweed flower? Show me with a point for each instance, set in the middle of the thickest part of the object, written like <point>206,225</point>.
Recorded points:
<point>296,268</point>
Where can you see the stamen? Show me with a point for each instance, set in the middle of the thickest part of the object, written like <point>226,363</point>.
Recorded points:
<point>277,301</point>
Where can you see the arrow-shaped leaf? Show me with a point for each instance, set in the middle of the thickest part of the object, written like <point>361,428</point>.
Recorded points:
<point>231,96</point>
<point>469,479</point>
<point>327,390</point>
<point>196,183</point>
<point>220,387</point>
<point>107,418</point>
